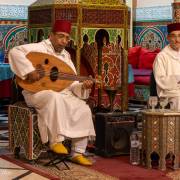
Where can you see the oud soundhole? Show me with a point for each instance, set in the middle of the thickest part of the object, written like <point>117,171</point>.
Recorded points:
<point>46,61</point>
<point>54,74</point>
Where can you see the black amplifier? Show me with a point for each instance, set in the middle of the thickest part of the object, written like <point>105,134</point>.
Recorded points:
<point>113,132</point>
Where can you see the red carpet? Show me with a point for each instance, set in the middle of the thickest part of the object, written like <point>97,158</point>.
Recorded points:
<point>118,167</point>
<point>121,168</point>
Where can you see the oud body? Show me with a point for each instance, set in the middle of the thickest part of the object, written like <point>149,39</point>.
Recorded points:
<point>55,74</point>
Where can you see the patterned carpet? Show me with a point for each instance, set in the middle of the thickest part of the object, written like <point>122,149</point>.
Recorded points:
<point>103,168</point>
<point>76,172</point>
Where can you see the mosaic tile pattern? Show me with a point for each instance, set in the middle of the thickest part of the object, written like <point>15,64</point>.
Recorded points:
<point>13,29</point>
<point>13,12</point>
<point>150,36</point>
<point>153,13</point>
<point>149,28</point>
<point>10,36</point>
<point>142,92</point>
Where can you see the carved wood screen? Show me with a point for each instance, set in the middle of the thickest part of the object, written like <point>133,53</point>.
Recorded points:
<point>105,62</point>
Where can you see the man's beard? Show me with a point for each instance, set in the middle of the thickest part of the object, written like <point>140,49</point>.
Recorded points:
<point>59,49</point>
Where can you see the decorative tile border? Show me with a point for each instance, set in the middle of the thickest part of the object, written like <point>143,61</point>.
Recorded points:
<point>13,22</point>
<point>11,35</point>
<point>150,36</point>
<point>11,12</point>
<point>153,13</point>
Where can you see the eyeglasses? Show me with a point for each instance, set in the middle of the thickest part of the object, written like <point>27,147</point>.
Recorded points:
<point>174,36</point>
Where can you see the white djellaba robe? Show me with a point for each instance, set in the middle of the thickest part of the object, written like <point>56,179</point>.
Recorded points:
<point>166,68</point>
<point>60,114</point>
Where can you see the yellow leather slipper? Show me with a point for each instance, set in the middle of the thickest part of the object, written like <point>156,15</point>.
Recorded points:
<point>59,148</point>
<point>80,159</point>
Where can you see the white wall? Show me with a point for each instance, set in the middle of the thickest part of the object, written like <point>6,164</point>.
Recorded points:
<point>151,3</point>
<point>16,2</point>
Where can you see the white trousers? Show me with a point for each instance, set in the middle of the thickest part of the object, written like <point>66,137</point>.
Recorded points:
<point>78,144</point>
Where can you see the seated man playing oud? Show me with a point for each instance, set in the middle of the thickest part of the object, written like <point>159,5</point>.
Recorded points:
<point>60,114</point>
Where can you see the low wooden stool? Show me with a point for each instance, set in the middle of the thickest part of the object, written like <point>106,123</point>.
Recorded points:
<point>24,135</point>
<point>161,136</point>
<point>23,131</point>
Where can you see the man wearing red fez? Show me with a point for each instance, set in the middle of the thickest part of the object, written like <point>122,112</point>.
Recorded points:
<point>61,114</point>
<point>166,68</point>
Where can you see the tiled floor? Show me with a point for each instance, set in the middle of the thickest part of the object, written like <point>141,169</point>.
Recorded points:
<point>4,144</point>
<point>11,171</point>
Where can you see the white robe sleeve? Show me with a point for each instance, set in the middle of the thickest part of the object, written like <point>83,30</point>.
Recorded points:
<point>164,80</point>
<point>77,89</point>
<point>20,65</point>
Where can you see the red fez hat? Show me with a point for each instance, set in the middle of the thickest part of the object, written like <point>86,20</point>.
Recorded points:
<point>62,26</point>
<point>173,27</point>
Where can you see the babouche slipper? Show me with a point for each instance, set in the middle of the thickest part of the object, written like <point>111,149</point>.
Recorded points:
<point>80,159</point>
<point>59,148</point>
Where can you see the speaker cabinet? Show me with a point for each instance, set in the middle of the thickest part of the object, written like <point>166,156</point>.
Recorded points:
<point>113,132</point>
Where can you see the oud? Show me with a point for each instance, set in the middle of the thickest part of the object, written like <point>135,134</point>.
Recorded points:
<point>54,74</point>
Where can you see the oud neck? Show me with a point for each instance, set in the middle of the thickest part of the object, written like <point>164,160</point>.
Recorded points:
<point>76,78</point>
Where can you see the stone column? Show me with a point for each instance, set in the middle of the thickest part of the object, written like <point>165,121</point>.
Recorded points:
<point>176,10</point>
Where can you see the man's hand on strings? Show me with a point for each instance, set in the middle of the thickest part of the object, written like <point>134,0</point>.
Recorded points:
<point>33,76</point>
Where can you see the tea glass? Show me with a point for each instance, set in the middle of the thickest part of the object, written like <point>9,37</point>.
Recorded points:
<point>152,102</point>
